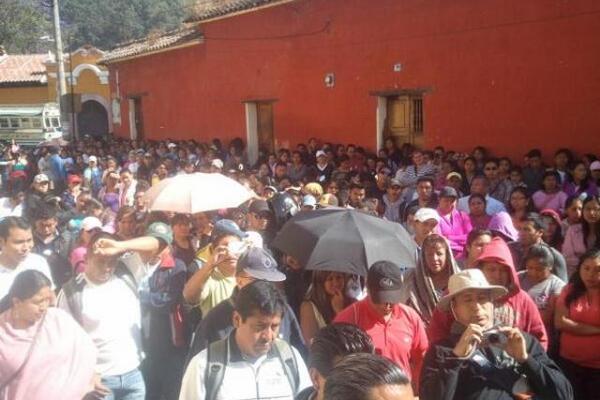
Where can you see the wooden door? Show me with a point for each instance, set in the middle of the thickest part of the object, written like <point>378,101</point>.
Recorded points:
<point>397,121</point>
<point>264,120</point>
<point>139,118</point>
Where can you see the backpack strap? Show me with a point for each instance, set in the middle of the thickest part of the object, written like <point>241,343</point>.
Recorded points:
<point>72,291</point>
<point>216,361</point>
<point>288,361</point>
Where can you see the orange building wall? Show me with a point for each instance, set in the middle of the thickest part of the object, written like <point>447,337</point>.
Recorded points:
<point>506,74</point>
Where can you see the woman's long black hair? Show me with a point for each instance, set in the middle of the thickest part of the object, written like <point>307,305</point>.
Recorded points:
<point>25,286</point>
<point>578,287</point>
<point>586,227</point>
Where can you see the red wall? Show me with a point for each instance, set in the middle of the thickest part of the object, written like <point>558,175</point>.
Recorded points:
<point>506,74</point>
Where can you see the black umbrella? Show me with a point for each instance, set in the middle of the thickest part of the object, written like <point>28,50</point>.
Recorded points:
<point>344,240</point>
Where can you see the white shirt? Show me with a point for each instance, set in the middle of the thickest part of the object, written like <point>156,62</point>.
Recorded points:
<point>262,379</point>
<point>32,261</point>
<point>492,207</point>
<point>111,316</point>
<point>7,210</point>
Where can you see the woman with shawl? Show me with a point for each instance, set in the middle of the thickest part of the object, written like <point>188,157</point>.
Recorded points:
<point>425,285</point>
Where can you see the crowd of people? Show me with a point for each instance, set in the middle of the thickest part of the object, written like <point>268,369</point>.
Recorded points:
<point>104,298</point>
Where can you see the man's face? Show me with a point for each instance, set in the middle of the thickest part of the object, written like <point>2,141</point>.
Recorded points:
<point>418,158</point>
<point>561,160</point>
<point>424,190</point>
<point>256,334</point>
<point>528,234</point>
<point>491,170</point>
<point>258,221</point>
<point>99,269</point>
<point>479,186</point>
<point>423,229</point>
<point>126,178</point>
<point>474,307</point>
<point>228,262</point>
<point>42,186</point>
<point>46,227</point>
<point>182,229</point>
<point>17,246</point>
<point>391,392</point>
<point>296,159</point>
<point>280,171</point>
<point>356,196</point>
<point>496,273</point>
<point>351,151</point>
<point>382,309</point>
<point>535,162</point>
<point>596,174</point>
<point>393,192</point>
<point>140,201</point>
<point>447,204</point>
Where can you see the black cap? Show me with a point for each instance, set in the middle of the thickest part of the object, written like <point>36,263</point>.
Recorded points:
<point>448,191</point>
<point>384,282</point>
<point>259,206</point>
<point>259,264</point>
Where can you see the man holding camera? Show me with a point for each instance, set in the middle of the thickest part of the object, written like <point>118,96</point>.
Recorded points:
<point>478,360</point>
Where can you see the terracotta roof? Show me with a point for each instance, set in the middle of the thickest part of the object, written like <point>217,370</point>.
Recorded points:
<point>150,44</point>
<point>23,68</point>
<point>208,9</point>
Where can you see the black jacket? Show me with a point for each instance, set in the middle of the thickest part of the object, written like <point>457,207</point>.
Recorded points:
<point>489,374</point>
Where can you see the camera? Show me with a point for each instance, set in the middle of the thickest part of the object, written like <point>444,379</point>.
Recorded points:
<point>494,337</point>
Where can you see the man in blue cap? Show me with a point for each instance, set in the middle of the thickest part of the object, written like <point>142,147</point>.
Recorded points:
<point>254,264</point>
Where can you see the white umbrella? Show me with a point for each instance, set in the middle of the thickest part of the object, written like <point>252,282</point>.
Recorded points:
<point>192,193</point>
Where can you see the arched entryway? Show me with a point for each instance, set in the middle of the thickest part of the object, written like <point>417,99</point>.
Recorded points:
<point>92,120</point>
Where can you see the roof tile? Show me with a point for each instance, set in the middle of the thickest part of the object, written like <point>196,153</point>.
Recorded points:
<point>218,8</point>
<point>23,68</point>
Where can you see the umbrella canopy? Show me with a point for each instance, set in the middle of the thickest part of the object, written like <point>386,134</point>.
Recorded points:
<point>344,240</point>
<point>192,193</point>
<point>53,143</point>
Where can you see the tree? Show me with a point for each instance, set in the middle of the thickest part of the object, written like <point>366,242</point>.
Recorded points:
<point>106,23</point>
<point>22,24</point>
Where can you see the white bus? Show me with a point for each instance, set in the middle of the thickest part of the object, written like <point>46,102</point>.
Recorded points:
<point>30,124</point>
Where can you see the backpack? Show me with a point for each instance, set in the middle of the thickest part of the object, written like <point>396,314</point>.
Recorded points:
<point>218,354</point>
<point>73,290</point>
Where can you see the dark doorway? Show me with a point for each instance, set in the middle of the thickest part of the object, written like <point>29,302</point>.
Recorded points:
<point>138,118</point>
<point>92,120</point>
<point>264,119</point>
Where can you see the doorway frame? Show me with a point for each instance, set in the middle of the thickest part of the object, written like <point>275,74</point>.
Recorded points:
<point>251,117</point>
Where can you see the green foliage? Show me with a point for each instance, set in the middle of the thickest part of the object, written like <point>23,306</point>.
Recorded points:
<point>22,24</point>
<point>106,23</point>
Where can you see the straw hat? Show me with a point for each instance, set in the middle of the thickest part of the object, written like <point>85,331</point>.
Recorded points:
<point>469,279</point>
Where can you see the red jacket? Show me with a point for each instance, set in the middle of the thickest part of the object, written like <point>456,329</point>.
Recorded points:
<point>514,309</point>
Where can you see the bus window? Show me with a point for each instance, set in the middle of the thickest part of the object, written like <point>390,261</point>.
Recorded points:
<point>14,122</point>
<point>3,122</point>
<point>25,123</point>
<point>55,123</point>
<point>47,123</point>
<point>36,122</point>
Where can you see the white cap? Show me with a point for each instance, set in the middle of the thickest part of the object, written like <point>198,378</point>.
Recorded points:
<point>89,223</point>
<point>92,158</point>
<point>595,166</point>
<point>321,153</point>
<point>217,163</point>
<point>425,214</point>
<point>39,178</point>
<point>171,145</point>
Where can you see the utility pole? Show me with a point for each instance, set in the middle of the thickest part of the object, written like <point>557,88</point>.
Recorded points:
<point>62,84</point>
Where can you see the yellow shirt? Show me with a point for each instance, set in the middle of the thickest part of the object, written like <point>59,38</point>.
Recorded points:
<point>216,289</point>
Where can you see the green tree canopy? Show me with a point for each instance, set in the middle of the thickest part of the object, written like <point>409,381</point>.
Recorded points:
<point>22,24</point>
<point>106,23</point>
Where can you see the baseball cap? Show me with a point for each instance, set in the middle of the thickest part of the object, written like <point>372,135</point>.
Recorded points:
<point>595,166</point>
<point>73,179</point>
<point>92,158</point>
<point>471,278</point>
<point>454,174</point>
<point>271,188</point>
<point>160,230</point>
<point>425,214</point>
<point>320,153</point>
<point>259,264</point>
<point>259,206</point>
<point>309,201</point>
<point>217,163</point>
<point>171,145</point>
<point>448,191</point>
<point>39,178</point>
<point>384,282</point>
<point>224,227</point>
<point>90,223</point>
<point>395,182</point>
